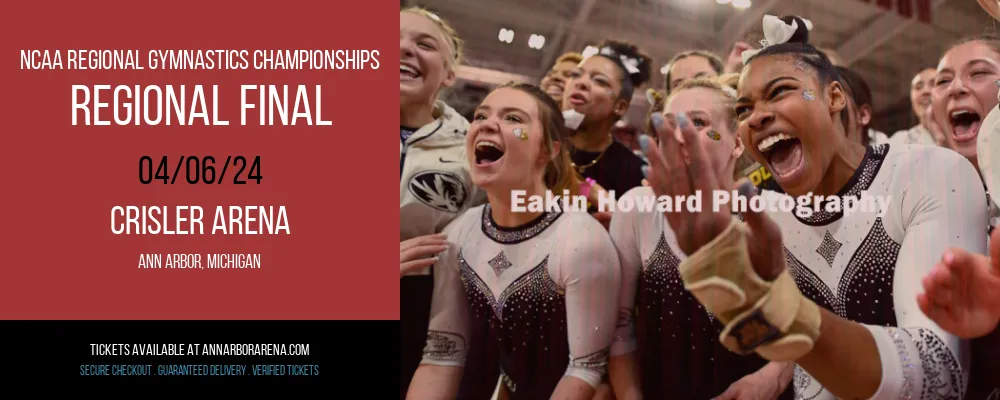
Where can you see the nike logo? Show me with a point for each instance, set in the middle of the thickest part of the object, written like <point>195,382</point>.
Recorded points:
<point>443,161</point>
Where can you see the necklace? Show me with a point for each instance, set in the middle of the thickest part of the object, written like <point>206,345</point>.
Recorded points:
<point>581,168</point>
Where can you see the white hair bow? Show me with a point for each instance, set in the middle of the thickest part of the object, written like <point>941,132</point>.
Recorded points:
<point>631,64</point>
<point>776,31</point>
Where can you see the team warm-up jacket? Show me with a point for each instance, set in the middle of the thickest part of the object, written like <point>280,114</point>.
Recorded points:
<point>434,185</point>
<point>434,189</point>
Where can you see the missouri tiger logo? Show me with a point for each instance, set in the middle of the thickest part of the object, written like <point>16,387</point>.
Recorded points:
<point>441,190</point>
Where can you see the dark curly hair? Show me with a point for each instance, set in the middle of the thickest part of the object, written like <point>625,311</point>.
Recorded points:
<point>630,82</point>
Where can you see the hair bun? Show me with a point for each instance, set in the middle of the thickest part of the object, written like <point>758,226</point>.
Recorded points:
<point>632,51</point>
<point>801,34</point>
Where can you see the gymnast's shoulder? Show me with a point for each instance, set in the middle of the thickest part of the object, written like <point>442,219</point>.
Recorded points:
<point>911,160</point>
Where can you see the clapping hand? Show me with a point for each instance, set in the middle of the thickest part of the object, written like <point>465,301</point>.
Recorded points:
<point>962,292</point>
<point>679,166</point>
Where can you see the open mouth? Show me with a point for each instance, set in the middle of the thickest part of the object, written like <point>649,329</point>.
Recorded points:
<point>965,124</point>
<point>554,90</point>
<point>488,153</point>
<point>783,152</point>
<point>407,72</point>
<point>924,101</point>
<point>577,99</point>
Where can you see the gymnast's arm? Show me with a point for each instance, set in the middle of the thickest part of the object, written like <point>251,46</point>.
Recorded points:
<point>844,359</point>
<point>440,371</point>
<point>945,208</point>
<point>623,367</point>
<point>590,273</point>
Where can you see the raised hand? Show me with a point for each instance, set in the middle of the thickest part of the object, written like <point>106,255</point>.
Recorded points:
<point>734,62</point>
<point>962,292</point>
<point>680,167</point>
<point>416,253</point>
<point>767,251</point>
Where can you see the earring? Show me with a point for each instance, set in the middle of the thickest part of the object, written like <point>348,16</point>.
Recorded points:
<point>520,134</point>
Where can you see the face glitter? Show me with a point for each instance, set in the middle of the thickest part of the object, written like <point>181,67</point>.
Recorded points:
<point>714,135</point>
<point>808,94</point>
<point>801,65</point>
<point>520,134</point>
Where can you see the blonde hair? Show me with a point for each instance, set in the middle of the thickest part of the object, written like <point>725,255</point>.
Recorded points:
<point>724,86</point>
<point>731,79</point>
<point>455,44</point>
<point>716,85</point>
<point>572,57</point>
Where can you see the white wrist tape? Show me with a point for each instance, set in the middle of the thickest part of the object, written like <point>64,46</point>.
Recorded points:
<point>773,318</point>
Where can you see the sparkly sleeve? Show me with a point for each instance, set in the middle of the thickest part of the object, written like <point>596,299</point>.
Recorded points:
<point>447,332</point>
<point>625,236</point>
<point>590,273</point>
<point>944,208</point>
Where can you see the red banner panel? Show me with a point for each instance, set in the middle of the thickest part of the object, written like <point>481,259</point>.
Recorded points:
<point>197,160</point>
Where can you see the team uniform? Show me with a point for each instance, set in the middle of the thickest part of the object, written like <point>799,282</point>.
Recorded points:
<point>538,292</point>
<point>915,135</point>
<point>675,340</point>
<point>867,268</point>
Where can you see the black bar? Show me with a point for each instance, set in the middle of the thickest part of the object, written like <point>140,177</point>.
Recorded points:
<point>342,355</point>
